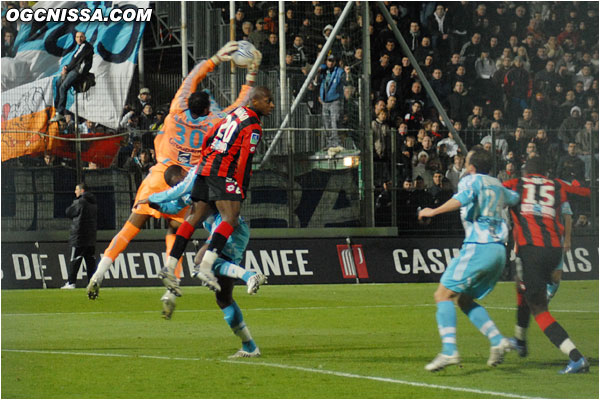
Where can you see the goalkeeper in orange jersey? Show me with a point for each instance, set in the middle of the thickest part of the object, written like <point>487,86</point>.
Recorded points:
<point>179,143</point>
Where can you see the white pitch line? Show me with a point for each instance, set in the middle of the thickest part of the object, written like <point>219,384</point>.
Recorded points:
<point>273,309</point>
<point>284,366</point>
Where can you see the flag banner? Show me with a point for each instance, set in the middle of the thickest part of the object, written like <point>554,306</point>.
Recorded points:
<point>43,49</point>
<point>100,152</point>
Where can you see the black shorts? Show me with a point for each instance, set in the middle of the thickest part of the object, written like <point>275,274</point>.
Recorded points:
<point>214,188</point>
<point>538,263</point>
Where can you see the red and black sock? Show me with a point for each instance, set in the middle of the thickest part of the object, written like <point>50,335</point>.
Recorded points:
<point>220,237</point>
<point>183,235</point>
<point>557,335</point>
<point>523,312</point>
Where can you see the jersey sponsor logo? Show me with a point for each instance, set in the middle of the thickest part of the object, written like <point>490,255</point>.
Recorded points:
<point>184,158</point>
<point>352,261</point>
<point>219,146</point>
<point>252,149</point>
<point>181,148</point>
<point>231,186</point>
<point>255,138</point>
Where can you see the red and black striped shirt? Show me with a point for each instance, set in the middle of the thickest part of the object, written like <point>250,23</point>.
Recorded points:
<point>228,148</point>
<point>537,216</point>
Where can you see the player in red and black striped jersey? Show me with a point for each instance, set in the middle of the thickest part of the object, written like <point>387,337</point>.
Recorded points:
<point>538,234</point>
<point>228,149</point>
<point>223,177</point>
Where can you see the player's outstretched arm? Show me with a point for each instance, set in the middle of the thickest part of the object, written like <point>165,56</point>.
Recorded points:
<point>178,191</point>
<point>253,68</point>
<point>244,96</point>
<point>449,206</point>
<point>190,83</point>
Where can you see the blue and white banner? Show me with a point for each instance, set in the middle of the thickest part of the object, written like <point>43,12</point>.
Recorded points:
<point>43,48</point>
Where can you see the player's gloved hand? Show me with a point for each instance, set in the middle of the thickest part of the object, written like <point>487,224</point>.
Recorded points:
<point>253,68</point>
<point>224,53</point>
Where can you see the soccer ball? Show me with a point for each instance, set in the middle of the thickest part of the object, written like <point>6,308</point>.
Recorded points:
<point>244,55</point>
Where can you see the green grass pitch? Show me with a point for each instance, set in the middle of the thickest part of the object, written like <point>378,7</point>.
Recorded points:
<point>325,341</point>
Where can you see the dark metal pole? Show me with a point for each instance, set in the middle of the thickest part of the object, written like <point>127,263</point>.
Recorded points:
<point>367,153</point>
<point>422,77</point>
<point>77,142</point>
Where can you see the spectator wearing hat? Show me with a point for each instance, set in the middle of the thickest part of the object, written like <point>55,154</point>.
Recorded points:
<point>331,80</point>
<point>325,33</point>
<point>569,127</point>
<point>420,169</point>
<point>144,97</point>
<point>270,21</point>
<point>239,20</point>
<point>259,35</point>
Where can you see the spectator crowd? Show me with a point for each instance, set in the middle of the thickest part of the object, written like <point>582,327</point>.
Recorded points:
<point>517,77</point>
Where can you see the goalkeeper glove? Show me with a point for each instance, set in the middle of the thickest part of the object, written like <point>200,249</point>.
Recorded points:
<point>224,53</point>
<point>253,68</point>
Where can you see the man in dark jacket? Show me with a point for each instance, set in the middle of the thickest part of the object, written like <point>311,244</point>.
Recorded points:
<point>80,65</point>
<point>84,213</point>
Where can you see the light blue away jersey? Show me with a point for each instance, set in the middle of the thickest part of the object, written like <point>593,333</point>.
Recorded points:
<point>483,200</point>
<point>171,201</point>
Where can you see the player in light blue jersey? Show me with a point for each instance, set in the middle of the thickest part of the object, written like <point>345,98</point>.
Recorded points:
<point>473,274</point>
<point>226,268</point>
